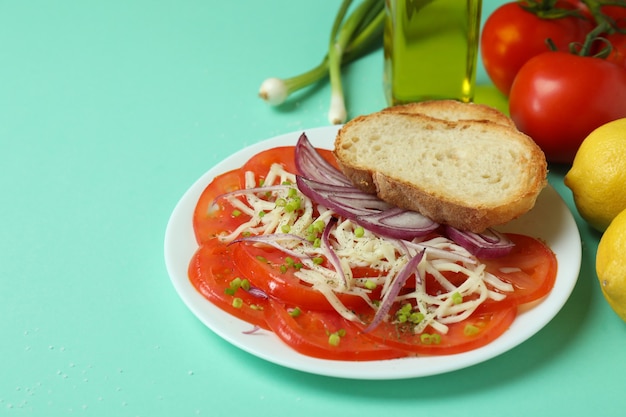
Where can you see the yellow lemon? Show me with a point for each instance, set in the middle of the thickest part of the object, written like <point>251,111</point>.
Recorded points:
<point>597,176</point>
<point>611,264</point>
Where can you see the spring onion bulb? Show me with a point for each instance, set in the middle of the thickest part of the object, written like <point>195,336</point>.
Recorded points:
<point>353,35</point>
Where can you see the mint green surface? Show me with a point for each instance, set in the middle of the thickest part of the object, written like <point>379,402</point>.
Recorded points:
<point>109,111</point>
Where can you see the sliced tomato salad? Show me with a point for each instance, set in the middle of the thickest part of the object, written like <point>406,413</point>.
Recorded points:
<point>214,274</point>
<point>261,284</point>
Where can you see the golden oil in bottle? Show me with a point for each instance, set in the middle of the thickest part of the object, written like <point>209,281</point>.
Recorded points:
<point>431,49</point>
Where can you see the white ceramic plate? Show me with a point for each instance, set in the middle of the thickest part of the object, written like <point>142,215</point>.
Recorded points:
<point>549,220</point>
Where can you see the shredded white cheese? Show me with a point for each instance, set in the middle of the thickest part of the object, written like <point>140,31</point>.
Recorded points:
<point>267,206</point>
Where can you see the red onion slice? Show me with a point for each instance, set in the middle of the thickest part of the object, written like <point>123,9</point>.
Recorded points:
<point>389,298</point>
<point>489,244</point>
<point>346,201</point>
<point>312,165</point>
<point>330,252</point>
<point>398,223</point>
<point>368,210</point>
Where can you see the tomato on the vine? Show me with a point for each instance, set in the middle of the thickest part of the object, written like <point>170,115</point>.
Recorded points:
<point>512,35</point>
<point>615,37</point>
<point>558,98</point>
<point>618,48</point>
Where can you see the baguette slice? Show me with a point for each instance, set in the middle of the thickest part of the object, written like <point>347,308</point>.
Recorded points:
<point>469,174</point>
<point>453,110</point>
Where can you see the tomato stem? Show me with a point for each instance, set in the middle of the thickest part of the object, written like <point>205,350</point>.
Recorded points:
<point>605,25</point>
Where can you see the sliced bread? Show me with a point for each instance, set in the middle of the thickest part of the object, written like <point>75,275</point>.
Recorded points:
<point>469,174</point>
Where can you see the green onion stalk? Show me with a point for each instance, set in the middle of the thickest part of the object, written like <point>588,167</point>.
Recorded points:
<point>352,36</point>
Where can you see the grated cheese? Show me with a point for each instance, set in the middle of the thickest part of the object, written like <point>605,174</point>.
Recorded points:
<point>387,256</point>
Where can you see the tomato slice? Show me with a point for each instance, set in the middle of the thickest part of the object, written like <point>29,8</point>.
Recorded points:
<point>267,269</point>
<point>284,155</point>
<point>477,330</point>
<point>311,331</point>
<point>211,272</point>
<point>531,268</point>
<point>210,220</point>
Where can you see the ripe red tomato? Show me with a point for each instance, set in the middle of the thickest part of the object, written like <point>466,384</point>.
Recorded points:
<point>617,14</point>
<point>558,98</point>
<point>617,40</point>
<point>512,35</point>
<point>618,48</point>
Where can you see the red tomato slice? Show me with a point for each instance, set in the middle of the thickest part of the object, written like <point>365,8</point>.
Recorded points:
<point>284,155</point>
<point>211,272</point>
<point>478,330</point>
<point>261,162</point>
<point>531,268</point>
<point>263,269</point>
<point>310,333</point>
<point>210,220</point>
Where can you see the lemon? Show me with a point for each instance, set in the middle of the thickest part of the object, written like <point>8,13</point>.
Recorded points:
<point>611,264</point>
<point>597,176</point>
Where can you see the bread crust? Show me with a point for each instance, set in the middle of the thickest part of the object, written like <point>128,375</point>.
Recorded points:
<point>454,110</point>
<point>442,206</point>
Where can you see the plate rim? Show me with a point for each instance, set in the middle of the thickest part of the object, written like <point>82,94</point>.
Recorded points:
<point>179,232</point>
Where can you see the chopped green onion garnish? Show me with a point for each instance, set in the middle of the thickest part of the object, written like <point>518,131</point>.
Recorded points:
<point>370,285</point>
<point>335,338</point>
<point>470,330</point>
<point>237,302</point>
<point>416,317</point>
<point>319,226</point>
<point>430,339</point>
<point>457,298</point>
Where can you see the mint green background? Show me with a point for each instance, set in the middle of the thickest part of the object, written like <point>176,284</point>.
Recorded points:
<point>109,111</point>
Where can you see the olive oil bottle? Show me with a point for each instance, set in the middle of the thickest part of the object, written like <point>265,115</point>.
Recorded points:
<point>431,49</point>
